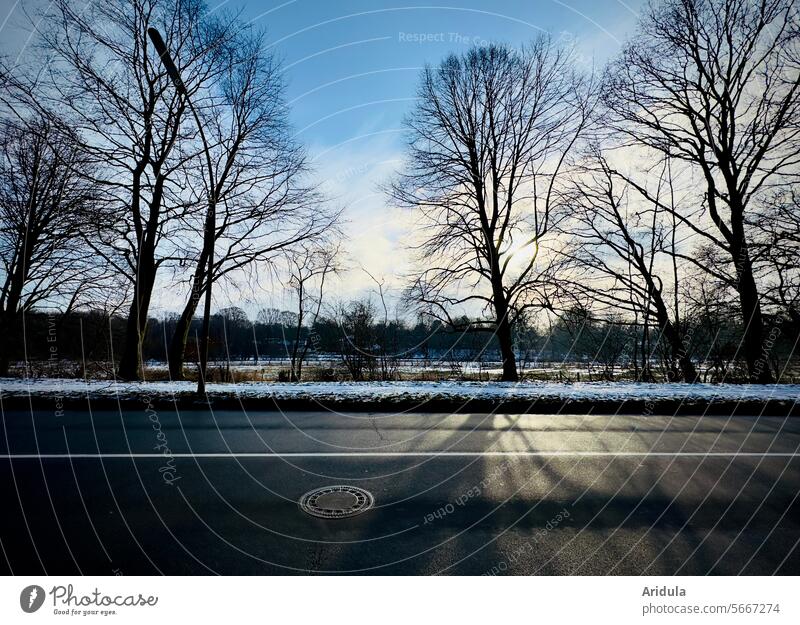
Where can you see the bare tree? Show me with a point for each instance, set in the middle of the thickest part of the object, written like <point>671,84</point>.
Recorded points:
<point>104,75</point>
<point>488,143</point>
<point>386,343</point>
<point>715,84</point>
<point>46,202</point>
<point>259,204</point>
<point>620,246</point>
<point>309,270</point>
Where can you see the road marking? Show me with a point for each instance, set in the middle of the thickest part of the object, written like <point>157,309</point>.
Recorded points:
<point>413,454</point>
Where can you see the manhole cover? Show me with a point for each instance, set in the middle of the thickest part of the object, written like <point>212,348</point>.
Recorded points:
<point>336,502</point>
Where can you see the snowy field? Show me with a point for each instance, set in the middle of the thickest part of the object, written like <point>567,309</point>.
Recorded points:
<point>464,366</point>
<point>396,391</point>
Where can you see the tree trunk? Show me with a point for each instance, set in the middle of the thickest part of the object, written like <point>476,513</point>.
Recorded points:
<point>681,365</point>
<point>503,324</point>
<point>130,364</point>
<point>688,369</point>
<point>130,361</point>
<point>176,354</point>
<point>504,338</point>
<point>685,366</point>
<point>4,358</point>
<point>758,369</point>
<point>9,332</point>
<point>7,327</point>
<point>678,355</point>
<point>10,312</point>
<point>507,350</point>
<point>294,374</point>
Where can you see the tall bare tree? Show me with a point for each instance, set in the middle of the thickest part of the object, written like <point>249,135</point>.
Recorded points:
<point>309,270</point>
<point>715,83</point>
<point>46,202</point>
<point>103,74</point>
<point>261,203</point>
<point>386,335</point>
<point>620,245</point>
<point>488,144</point>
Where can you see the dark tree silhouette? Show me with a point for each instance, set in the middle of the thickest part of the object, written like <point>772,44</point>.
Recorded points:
<point>489,140</point>
<point>107,79</point>
<point>715,84</point>
<point>46,204</point>
<point>619,246</point>
<point>308,270</point>
<point>261,207</point>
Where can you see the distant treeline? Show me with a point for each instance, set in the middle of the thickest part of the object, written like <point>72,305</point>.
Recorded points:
<point>362,346</point>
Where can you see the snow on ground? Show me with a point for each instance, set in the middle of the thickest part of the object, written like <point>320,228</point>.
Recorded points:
<point>394,391</point>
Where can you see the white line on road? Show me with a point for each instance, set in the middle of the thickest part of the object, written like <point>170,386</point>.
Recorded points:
<point>413,454</point>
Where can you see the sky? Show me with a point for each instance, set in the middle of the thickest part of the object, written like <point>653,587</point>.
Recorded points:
<point>351,68</point>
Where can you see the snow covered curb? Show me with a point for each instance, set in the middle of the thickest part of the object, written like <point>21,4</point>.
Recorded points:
<point>388,392</point>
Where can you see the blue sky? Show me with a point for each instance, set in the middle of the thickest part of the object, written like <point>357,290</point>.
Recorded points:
<point>365,56</point>
<point>352,68</point>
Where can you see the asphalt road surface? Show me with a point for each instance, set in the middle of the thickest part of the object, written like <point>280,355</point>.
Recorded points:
<point>205,492</point>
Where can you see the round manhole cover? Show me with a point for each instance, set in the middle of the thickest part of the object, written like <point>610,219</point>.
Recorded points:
<point>336,502</point>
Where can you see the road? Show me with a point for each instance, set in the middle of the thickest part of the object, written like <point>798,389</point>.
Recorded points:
<point>215,492</point>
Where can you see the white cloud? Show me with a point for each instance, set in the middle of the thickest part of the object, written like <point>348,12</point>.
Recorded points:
<point>352,175</point>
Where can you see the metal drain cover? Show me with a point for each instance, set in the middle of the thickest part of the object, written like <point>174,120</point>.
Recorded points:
<point>336,502</point>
